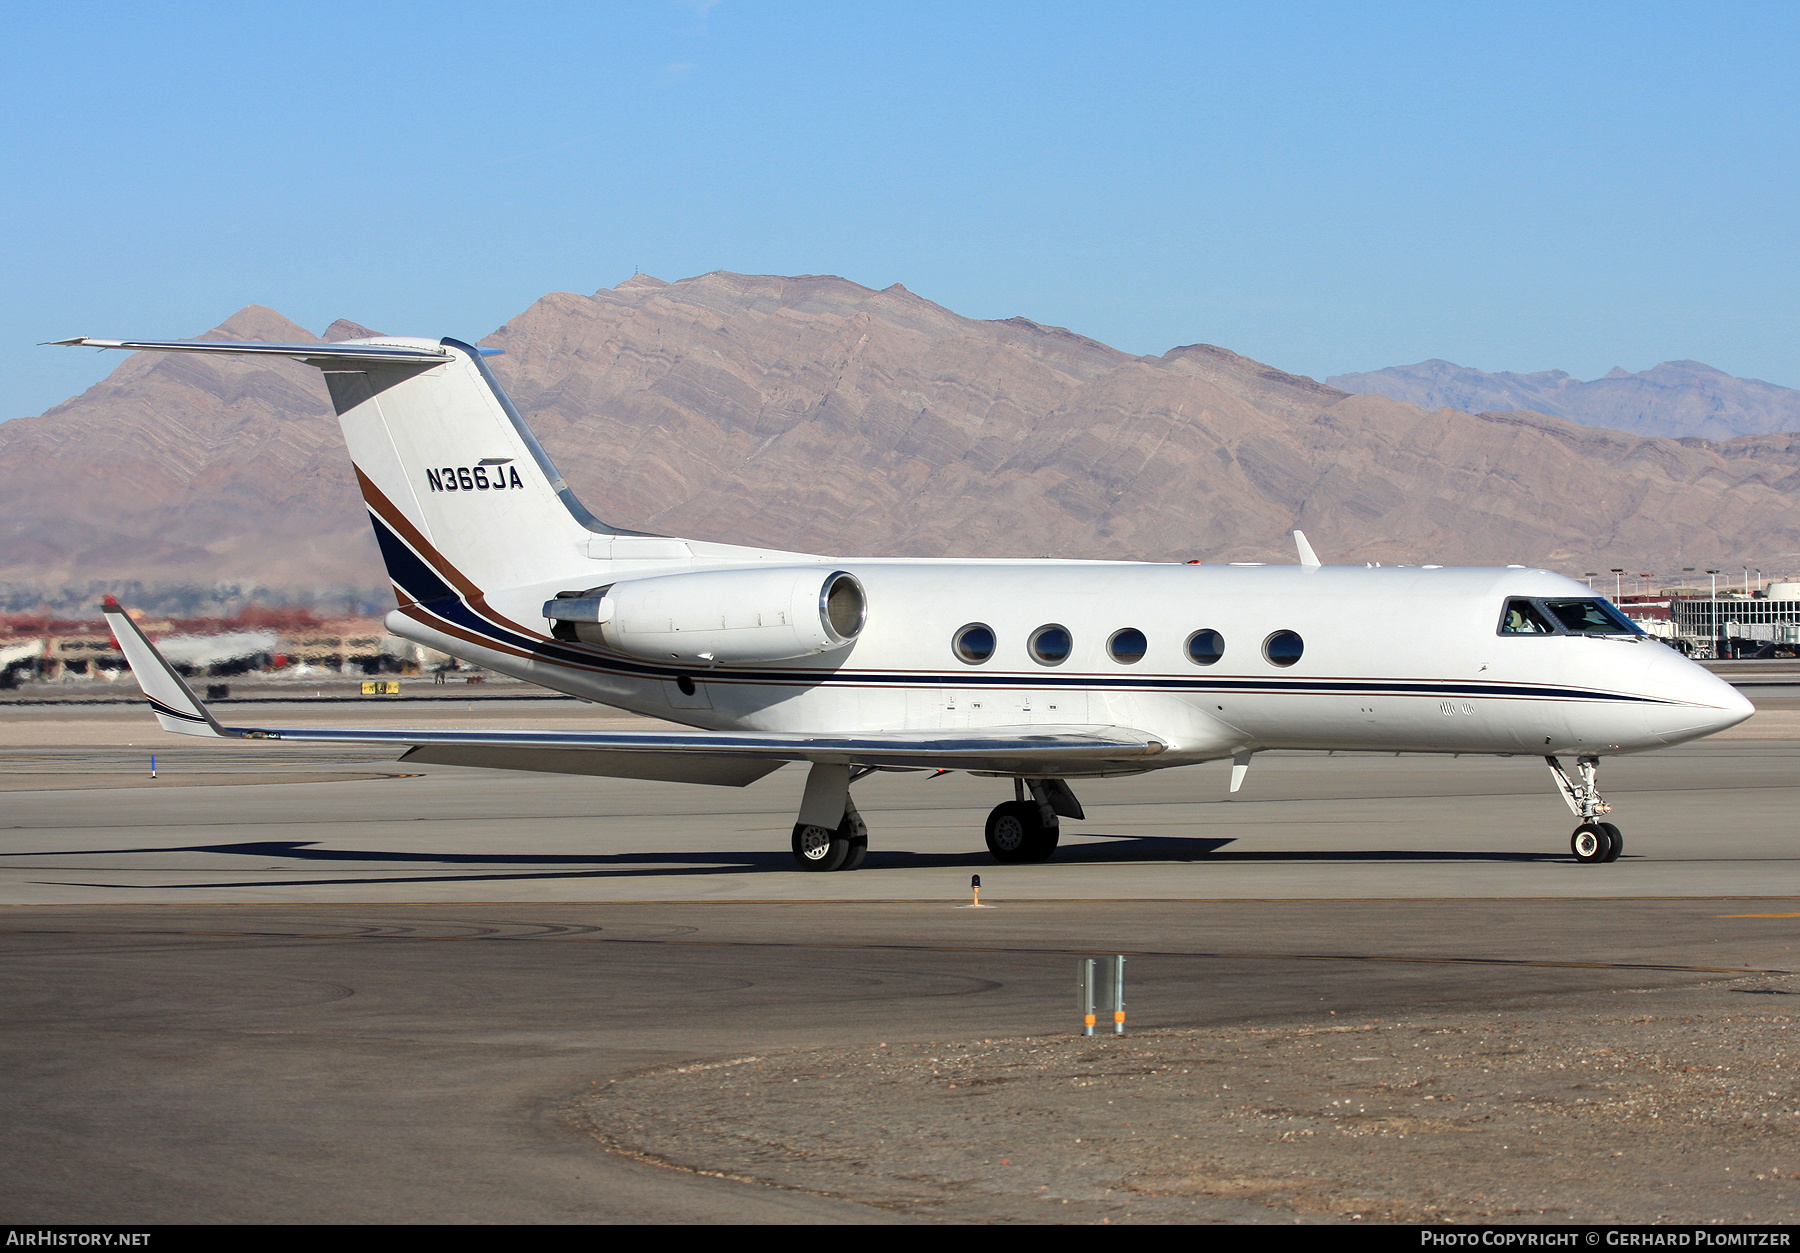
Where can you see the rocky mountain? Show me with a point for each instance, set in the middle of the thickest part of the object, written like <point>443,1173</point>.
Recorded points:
<point>1676,399</point>
<point>812,413</point>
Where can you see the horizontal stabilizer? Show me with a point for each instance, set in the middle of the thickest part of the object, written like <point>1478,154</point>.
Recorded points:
<point>376,354</point>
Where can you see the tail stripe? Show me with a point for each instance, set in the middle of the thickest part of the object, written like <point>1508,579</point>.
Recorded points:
<point>384,509</point>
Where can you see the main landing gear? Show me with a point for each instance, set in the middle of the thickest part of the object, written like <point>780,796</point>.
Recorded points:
<point>1024,829</point>
<point>1027,828</point>
<point>839,848</point>
<point>1594,840</point>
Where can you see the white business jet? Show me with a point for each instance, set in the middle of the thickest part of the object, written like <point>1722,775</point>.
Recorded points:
<point>1034,671</point>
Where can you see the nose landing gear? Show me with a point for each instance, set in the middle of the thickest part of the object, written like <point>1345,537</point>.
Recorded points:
<point>1594,840</point>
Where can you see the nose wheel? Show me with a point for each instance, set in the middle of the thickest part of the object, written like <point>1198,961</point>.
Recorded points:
<point>1596,842</point>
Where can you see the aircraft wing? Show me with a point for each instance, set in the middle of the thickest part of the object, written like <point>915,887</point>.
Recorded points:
<point>733,758</point>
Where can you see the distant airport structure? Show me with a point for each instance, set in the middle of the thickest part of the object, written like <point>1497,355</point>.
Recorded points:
<point>41,650</point>
<point>1760,621</point>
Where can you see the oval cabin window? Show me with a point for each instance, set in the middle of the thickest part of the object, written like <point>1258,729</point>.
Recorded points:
<point>1128,646</point>
<point>1204,648</point>
<point>974,643</point>
<point>1283,648</point>
<point>1051,645</point>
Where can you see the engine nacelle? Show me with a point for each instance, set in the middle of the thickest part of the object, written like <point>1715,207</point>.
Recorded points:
<point>718,617</point>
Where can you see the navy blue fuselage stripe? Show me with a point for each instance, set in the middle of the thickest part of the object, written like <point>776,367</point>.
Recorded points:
<point>408,571</point>
<point>443,603</point>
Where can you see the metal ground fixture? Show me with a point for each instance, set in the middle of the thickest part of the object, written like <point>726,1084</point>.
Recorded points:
<point>1101,981</point>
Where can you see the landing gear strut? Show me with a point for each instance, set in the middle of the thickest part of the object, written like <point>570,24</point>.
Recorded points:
<point>1594,840</point>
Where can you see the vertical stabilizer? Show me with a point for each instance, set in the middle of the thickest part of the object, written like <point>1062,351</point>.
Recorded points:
<point>462,496</point>
<point>454,479</point>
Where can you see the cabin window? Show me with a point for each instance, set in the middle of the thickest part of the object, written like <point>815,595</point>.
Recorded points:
<point>974,643</point>
<point>1128,646</point>
<point>1591,617</point>
<point>1204,648</point>
<point>1051,645</point>
<point>1283,648</point>
<point>1522,617</point>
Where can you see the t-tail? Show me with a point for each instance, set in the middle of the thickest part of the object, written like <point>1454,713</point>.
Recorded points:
<point>463,498</point>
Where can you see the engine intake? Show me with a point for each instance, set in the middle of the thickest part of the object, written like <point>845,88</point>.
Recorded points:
<point>717,617</point>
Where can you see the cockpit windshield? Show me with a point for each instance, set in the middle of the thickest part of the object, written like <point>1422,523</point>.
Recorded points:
<point>1564,617</point>
<point>1591,617</point>
<point>1524,618</point>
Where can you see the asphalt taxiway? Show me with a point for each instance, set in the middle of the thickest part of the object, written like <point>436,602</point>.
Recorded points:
<point>290,984</point>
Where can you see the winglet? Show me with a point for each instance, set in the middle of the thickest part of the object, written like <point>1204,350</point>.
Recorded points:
<point>176,706</point>
<point>1309,560</point>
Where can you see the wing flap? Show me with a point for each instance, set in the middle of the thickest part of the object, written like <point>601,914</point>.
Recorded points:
<point>661,767</point>
<point>1002,750</point>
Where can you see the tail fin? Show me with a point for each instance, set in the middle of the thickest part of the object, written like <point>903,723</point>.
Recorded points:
<point>462,496</point>
<point>452,474</point>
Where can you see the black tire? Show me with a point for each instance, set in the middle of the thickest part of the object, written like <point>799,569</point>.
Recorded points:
<point>859,849</point>
<point>1591,842</point>
<point>1016,833</point>
<point>820,848</point>
<point>1011,831</point>
<point>1618,842</point>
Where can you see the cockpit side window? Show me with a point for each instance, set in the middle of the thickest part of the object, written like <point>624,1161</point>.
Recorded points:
<point>1521,617</point>
<point>1591,617</point>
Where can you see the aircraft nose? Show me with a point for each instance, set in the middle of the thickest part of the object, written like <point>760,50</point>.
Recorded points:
<point>1700,703</point>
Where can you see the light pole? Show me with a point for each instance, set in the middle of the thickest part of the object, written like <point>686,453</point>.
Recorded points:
<point>1713,610</point>
<point>1618,573</point>
<point>1590,576</point>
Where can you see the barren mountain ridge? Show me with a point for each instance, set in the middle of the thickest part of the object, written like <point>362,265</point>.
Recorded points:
<point>812,413</point>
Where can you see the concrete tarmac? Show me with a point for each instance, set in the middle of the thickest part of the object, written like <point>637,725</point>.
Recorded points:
<point>282,984</point>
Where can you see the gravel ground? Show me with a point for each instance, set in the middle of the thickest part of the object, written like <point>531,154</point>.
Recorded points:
<point>1664,1106</point>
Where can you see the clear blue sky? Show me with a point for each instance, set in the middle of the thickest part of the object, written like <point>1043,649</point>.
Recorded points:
<point>1323,187</point>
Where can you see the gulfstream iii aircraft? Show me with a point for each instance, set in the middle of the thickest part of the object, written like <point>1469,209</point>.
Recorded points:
<point>1040,672</point>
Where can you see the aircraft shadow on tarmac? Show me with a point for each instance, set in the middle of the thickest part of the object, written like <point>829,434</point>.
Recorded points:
<point>1116,850</point>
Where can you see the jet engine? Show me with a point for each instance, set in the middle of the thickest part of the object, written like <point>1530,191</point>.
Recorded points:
<point>717,617</point>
